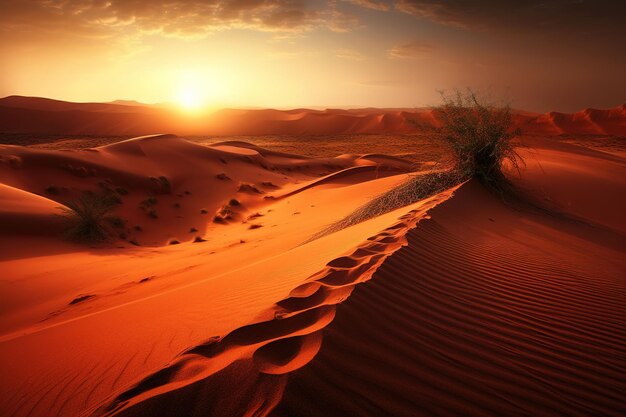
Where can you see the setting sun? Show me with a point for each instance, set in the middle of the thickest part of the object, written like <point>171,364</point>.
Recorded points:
<point>189,98</point>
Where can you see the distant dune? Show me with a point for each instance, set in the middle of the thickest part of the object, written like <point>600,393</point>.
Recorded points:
<point>45,116</point>
<point>588,121</point>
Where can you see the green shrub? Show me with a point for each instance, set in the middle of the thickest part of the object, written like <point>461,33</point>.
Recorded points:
<point>89,216</point>
<point>479,135</point>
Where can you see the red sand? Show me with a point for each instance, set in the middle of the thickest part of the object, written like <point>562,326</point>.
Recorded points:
<point>37,115</point>
<point>456,305</point>
<point>486,312</point>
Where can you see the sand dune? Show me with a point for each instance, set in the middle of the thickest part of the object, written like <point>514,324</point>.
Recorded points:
<point>76,301</point>
<point>37,115</point>
<point>487,312</point>
<point>22,212</point>
<point>586,184</point>
<point>250,362</point>
<point>168,178</point>
<point>588,121</point>
<point>492,311</point>
<point>456,305</point>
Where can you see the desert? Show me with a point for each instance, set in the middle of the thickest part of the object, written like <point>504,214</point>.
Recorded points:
<point>351,208</point>
<point>213,284</point>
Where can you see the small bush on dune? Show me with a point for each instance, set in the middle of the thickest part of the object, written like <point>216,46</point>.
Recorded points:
<point>89,217</point>
<point>479,135</point>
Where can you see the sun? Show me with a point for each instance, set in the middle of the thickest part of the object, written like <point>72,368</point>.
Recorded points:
<point>189,98</point>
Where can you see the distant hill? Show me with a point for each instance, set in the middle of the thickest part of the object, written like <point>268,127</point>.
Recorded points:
<point>37,115</point>
<point>139,104</point>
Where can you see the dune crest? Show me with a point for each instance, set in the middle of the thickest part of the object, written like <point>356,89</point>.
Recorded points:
<point>288,336</point>
<point>38,115</point>
<point>487,312</point>
<point>167,177</point>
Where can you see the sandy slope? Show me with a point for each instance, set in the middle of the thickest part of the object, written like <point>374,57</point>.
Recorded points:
<point>488,309</point>
<point>168,185</point>
<point>456,305</point>
<point>486,312</point>
<point>80,323</point>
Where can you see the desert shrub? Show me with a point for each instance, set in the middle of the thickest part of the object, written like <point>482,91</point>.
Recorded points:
<point>150,201</point>
<point>53,190</point>
<point>114,198</point>
<point>116,222</point>
<point>249,188</point>
<point>166,186</point>
<point>161,185</point>
<point>89,217</point>
<point>226,212</point>
<point>479,135</point>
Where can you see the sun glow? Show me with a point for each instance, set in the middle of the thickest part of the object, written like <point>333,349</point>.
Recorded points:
<point>193,89</point>
<point>198,91</point>
<point>189,98</point>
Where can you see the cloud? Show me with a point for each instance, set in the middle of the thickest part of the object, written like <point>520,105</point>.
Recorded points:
<point>349,54</point>
<point>339,18</point>
<point>550,15</point>
<point>415,49</point>
<point>182,18</point>
<point>372,4</point>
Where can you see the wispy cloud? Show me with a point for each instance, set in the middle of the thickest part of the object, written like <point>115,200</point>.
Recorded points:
<point>349,54</point>
<point>372,4</point>
<point>415,49</point>
<point>174,18</point>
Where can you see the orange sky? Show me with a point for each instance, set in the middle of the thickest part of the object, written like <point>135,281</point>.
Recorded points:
<point>542,55</point>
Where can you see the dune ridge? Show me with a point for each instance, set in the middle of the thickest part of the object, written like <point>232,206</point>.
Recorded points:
<point>66,306</point>
<point>166,176</point>
<point>45,116</point>
<point>477,315</point>
<point>520,336</point>
<point>285,338</point>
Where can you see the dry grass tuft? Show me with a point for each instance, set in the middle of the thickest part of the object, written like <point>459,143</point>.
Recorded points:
<point>89,217</point>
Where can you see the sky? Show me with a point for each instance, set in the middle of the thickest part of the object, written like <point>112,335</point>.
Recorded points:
<point>540,55</point>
